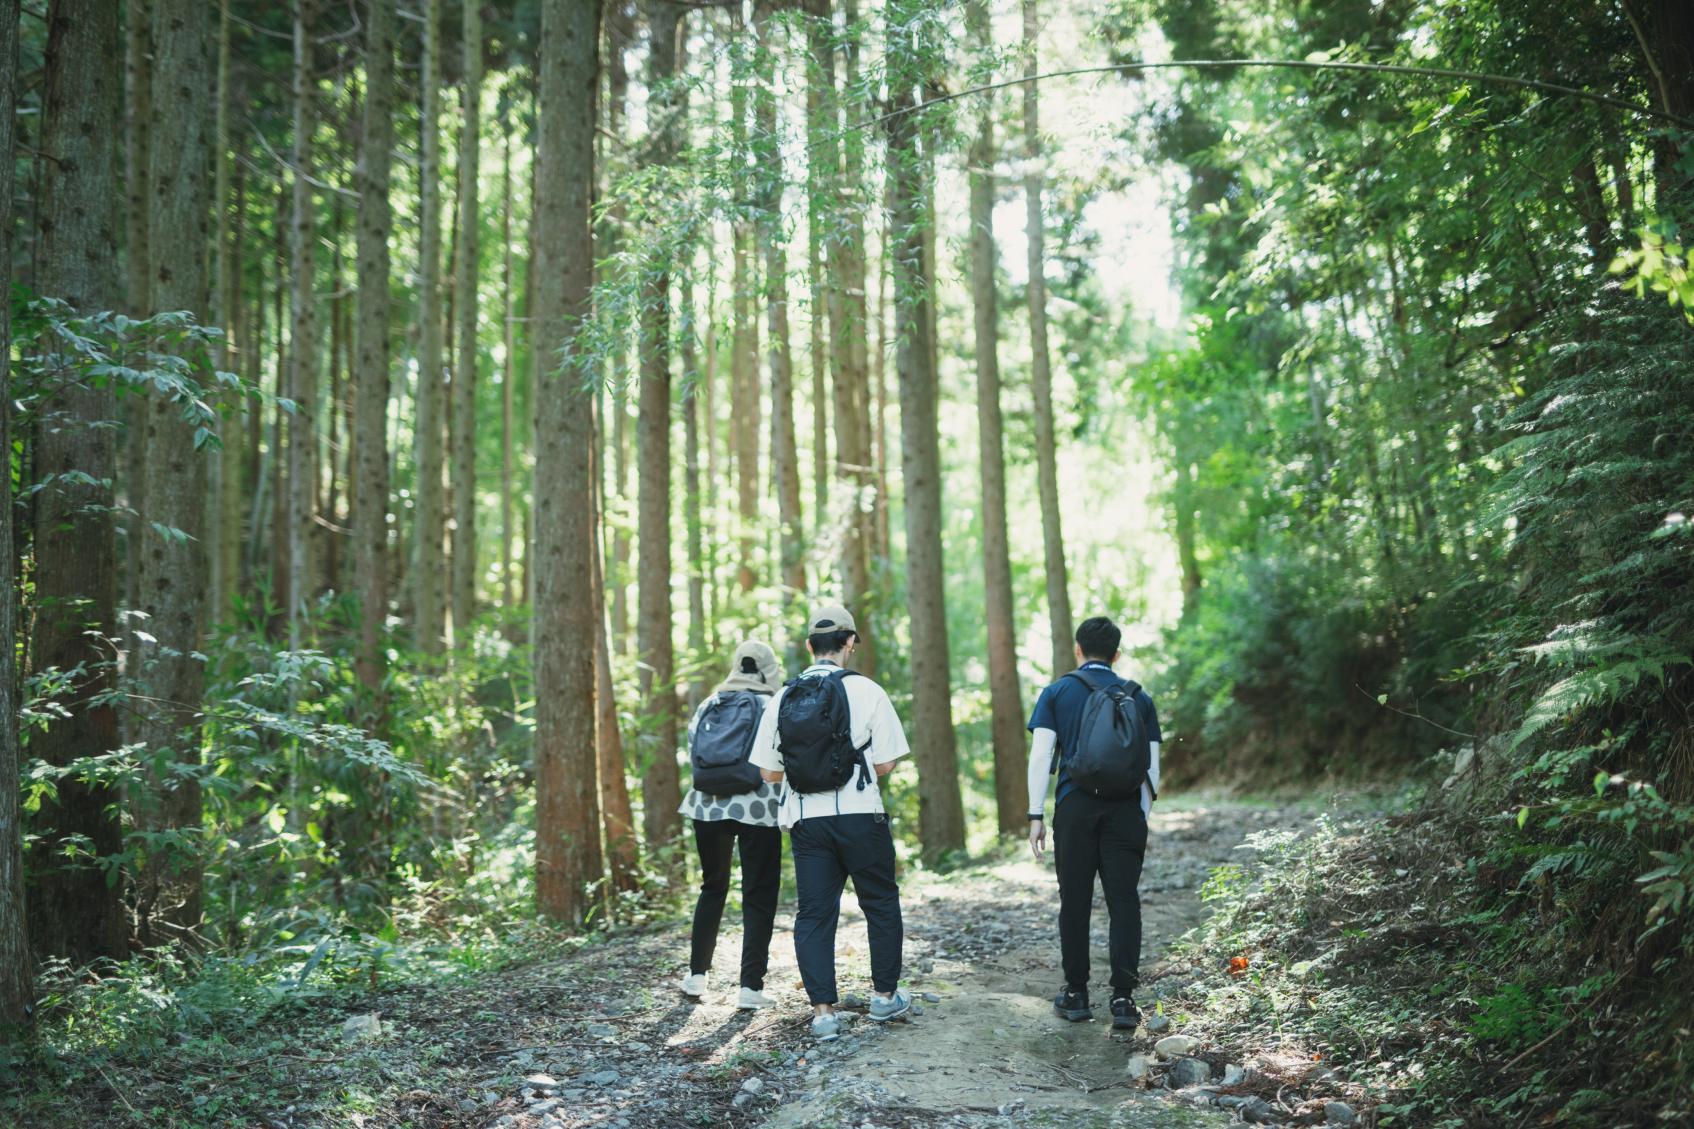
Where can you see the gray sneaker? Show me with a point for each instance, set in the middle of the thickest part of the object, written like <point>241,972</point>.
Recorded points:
<point>826,1027</point>
<point>893,1007</point>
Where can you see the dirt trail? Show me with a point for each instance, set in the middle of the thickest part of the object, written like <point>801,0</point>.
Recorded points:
<point>990,1051</point>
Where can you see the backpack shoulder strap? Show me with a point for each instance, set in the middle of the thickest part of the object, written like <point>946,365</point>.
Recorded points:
<point>1084,678</point>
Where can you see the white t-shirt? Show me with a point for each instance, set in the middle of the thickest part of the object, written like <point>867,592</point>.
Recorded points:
<point>871,718</point>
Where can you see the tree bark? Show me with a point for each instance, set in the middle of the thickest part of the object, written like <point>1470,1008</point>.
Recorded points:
<point>17,983</point>
<point>463,471</point>
<point>568,859</point>
<point>173,572</point>
<point>138,267</point>
<point>660,792</point>
<point>508,379</point>
<point>622,851</point>
<point>303,479</point>
<point>1041,373</point>
<point>785,460</point>
<point>746,406</point>
<point>225,497</point>
<point>835,202</point>
<point>428,572</point>
<point>371,376</point>
<point>940,809</point>
<point>693,525</point>
<point>1005,698</point>
<point>73,911</point>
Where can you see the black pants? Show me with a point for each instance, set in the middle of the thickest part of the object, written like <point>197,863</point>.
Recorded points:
<point>761,877</point>
<point>1105,837</point>
<point>827,851</point>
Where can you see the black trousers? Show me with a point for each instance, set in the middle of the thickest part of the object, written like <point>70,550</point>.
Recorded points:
<point>827,851</point>
<point>761,878</point>
<point>1092,836</point>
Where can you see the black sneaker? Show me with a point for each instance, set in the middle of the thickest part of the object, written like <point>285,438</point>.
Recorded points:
<point>1125,1016</point>
<point>1072,1004</point>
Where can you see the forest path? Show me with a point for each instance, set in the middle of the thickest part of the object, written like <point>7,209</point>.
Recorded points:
<point>601,1037</point>
<point>991,1051</point>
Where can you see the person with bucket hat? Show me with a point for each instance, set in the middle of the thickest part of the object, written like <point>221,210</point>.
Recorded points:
<point>829,736</point>
<point>732,807</point>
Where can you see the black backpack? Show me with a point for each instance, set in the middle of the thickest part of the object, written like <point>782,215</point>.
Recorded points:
<point>814,735</point>
<point>1113,755</point>
<point>722,742</point>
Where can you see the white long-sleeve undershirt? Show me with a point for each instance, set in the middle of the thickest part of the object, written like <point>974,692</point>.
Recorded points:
<point>1041,763</point>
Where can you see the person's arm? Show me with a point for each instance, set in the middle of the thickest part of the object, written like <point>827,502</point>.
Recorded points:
<point>1155,737</point>
<point>765,755</point>
<point>887,737</point>
<point>1040,767</point>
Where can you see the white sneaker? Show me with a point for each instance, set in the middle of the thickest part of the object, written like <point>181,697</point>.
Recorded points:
<point>694,984</point>
<point>752,999</point>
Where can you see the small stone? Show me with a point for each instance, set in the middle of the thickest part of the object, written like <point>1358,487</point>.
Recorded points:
<point>1002,1033</point>
<point>1338,1113</point>
<point>362,1028</point>
<point>917,1009</point>
<point>1157,1023</point>
<point>542,1108</point>
<point>542,1081</point>
<point>602,1078</point>
<point>1234,1075</point>
<point>931,997</point>
<point>853,999</point>
<point>1137,1067</point>
<point>1189,1072</point>
<point>752,1085</point>
<point>601,1030</point>
<point>743,1100</point>
<point>1259,1112</point>
<point>489,1097</point>
<point>1173,1046</point>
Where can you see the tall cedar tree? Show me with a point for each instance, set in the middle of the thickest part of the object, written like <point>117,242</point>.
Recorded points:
<point>1041,372</point>
<point>1005,699</point>
<point>427,574</point>
<point>508,377</point>
<point>74,912</point>
<point>302,337</point>
<point>138,273</point>
<point>746,405</point>
<point>225,499</point>
<point>568,860</point>
<point>371,375</point>
<point>463,472</point>
<point>619,32</point>
<point>17,992</point>
<point>773,245</point>
<point>661,790</point>
<point>174,570</point>
<point>622,848</point>
<point>941,817</point>
<point>849,354</point>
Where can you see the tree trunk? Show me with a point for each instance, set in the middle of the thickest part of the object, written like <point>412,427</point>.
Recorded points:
<point>619,32</point>
<point>660,791</point>
<point>277,450</point>
<point>1182,499</point>
<point>568,860</point>
<point>940,810</point>
<point>173,572</point>
<point>225,498</point>
<point>1041,373</point>
<point>698,687</point>
<point>17,986</point>
<point>303,478</point>
<point>785,461</point>
<point>138,266</point>
<point>463,472</point>
<point>745,403</point>
<point>1005,699</point>
<point>428,581</point>
<point>508,379</point>
<point>74,912</point>
<point>370,377</point>
<point>622,852</point>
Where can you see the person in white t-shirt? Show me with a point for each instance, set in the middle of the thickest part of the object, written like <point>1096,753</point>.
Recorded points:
<point>837,736</point>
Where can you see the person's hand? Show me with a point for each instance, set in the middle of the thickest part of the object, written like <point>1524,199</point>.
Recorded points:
<point>1037,838</point>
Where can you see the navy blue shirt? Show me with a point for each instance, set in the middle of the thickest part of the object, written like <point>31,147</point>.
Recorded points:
<point>1059,708</point>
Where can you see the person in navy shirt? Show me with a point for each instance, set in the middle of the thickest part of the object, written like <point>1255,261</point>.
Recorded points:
<point>1092,835</point>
